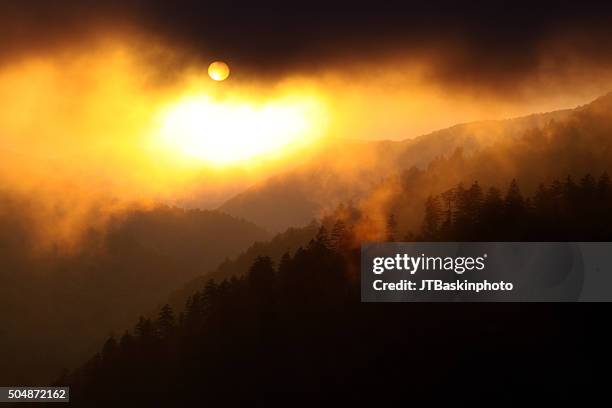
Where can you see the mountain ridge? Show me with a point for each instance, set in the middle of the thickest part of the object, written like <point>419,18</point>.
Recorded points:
<point>297,197</point>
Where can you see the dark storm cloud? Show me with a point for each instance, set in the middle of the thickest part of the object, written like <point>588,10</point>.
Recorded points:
<point>474,43</point>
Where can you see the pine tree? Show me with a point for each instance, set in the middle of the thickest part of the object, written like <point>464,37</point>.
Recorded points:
<point>126,342</point>
<point>460,214</point>
<point>514,202</point>
<point>339,236</point>
<point>208,294</point>
<point>588,185</point>
<point>109,349</point>
<point>322,237</point>
<point>541,200</point>
<point>261,273</point>
<point>514,216</point>
<point>448,197</point>
<point>284,266</point>
<point>144,329</point>
<point>570,190</point>
<point>433,218</point>
<point>475,201</point>
<point>603,187</point>
<point>165,321</point>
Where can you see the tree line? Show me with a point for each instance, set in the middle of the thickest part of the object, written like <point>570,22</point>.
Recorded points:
<point>299,326</point>
<point>559,211</point>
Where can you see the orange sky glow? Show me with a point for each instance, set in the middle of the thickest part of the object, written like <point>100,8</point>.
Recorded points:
<point>107,118</point>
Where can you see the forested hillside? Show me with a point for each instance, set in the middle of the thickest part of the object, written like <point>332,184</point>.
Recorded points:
<point>285,243</point>
<point>579,144</point>
<point>348,169</point>
<point>298,324</point>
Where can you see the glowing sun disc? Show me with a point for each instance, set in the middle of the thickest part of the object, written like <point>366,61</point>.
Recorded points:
<point>218,71</point>
<point>230,132</point>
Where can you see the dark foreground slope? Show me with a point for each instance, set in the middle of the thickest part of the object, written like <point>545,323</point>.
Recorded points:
<point>298,326</point>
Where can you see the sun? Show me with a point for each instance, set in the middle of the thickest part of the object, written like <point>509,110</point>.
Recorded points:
<point>218,70</point>
<point>225,133</point>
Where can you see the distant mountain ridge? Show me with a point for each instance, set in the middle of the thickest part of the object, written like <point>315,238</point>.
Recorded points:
<point>346,169</point>
<point>58,306</point>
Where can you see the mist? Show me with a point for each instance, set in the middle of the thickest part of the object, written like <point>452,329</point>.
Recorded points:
<point>80,119</point>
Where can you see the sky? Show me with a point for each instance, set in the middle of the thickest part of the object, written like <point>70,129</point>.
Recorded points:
<point>473,44</point>
<point>92,89</point>
<point>462,61</point>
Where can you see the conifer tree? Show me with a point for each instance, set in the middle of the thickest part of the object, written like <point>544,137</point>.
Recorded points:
<point>165,321</point>
<point>433,218</point>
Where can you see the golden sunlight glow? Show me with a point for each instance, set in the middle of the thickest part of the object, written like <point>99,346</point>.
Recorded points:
<point>107,119</point>
<point>105,122</point>
<point>222,132</point>
<point>218,70</point>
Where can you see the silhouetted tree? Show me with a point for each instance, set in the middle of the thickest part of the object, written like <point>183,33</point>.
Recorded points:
<point>492,212</point>
<point>322,237</point>
<point>305,328</point>
<point>433,218</point>
<point>339,239</point>
<point>555,212</point>
<point>165,321</point>
<point>261,274</point>
<point>110,349</point>
<point>144,328</point>
<point>603,187</point>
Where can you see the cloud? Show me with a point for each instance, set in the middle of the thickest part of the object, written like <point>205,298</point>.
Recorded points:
<point>493,46</point>
<point>81,82</point>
